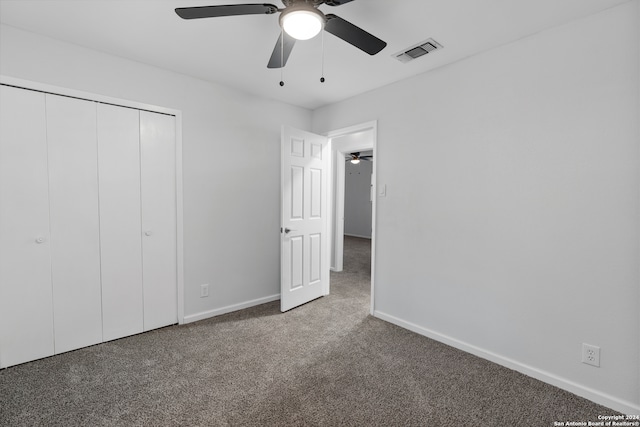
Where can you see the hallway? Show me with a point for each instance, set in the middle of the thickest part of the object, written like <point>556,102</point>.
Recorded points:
<point>354,281</point>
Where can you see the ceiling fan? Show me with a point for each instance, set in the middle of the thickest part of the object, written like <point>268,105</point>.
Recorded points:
<point>356,157</point>
<point>299,20</point>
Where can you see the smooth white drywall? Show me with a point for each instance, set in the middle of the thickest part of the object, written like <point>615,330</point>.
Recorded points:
<point>518,237</point>
<point>231,161</point>
<point>357,199</point>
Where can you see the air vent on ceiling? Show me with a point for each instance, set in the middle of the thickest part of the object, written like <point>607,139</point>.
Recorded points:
<point>417,50</point>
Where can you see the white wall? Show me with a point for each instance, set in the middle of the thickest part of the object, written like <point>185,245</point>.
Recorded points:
<point>231,161</point>
<point>518,239</point>
<point>357,200</point>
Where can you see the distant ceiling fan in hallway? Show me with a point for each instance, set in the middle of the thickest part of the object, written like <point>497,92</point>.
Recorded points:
<point>356,157</point>
<point>299,20</point>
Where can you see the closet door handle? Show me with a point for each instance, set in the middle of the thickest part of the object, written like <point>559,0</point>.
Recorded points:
<point>148,233</point>
<point>40,240</point>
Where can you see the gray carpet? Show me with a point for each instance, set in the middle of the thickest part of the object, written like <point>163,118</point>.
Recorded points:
<point>326,363</point>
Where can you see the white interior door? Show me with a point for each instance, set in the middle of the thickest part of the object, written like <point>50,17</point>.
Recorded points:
<point>120,224</point>
<point>75,240</point>
<point>158,183</point>
<point>26,313</point>
<point>304,233</point>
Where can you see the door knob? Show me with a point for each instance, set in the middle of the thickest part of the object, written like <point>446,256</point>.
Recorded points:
<point>40,240</point>
<point>148,233</point>
<point>288,230</point>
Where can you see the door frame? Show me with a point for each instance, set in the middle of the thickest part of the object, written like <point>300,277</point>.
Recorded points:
<point>57,90</point>
<point>336,193</point>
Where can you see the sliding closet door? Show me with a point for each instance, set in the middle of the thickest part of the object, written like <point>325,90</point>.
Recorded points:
<point>26,313</point>
<point>120,223</point>
<point>75,247</point>
<point>158,183</point>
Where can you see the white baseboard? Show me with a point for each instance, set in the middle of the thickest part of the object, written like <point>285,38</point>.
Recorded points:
<point>228,309</point>
<point>596,396</point>
<point>357,235</point>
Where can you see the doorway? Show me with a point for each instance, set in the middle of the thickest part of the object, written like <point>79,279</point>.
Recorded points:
<point>359,138</point>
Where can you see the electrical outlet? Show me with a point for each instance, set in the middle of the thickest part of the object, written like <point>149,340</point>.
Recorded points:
<point>204,291</point>
<point>591,354</point>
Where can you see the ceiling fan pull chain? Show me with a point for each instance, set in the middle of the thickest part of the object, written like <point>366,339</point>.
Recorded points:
<point>281,56</point>
<point>322,72</point>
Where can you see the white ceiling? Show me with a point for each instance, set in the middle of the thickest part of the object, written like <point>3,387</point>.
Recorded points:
<point>235,50</point>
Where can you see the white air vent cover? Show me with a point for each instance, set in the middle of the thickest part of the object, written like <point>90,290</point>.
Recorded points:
<point>417,50</point>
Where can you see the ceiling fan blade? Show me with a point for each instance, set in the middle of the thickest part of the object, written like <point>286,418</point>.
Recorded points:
<point>336,2</point>
<point>280,56</point>
<point>354,35</point>
<point>227,10</point>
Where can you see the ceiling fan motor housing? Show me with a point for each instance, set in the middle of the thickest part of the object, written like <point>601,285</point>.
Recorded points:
<point>313,3</point>
<point>316,3</point>
<point>301,6</point>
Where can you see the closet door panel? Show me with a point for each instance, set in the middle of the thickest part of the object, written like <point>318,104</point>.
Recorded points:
<point>158,183</point>
<point>120,223</point>
<point>26,312</point>
<point>75,247</point>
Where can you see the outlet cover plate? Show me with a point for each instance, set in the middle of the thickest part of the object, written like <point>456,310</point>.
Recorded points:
<point>204,291</point>
<point>591,354</point>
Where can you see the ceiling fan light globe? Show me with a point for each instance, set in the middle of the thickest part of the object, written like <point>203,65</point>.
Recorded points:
<point>355,161</point>
<point>302,24</point>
